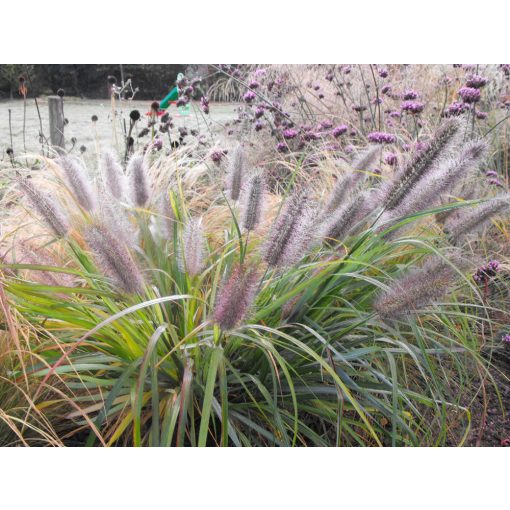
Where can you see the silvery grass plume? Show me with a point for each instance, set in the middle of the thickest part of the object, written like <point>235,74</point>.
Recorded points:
<point>137,171</point>
<point>78,181</point>
<point>440,180</point>
<point>192,251</point>
<point>473,220</point>
<point>344,187</point>
<point>421,164</point>
<point>113,175</point>
<point>167,218</point>
<point>340,223</point>
<point>114,259</point>
<point>37,256</point>
<point>416,290</point>
<point>291,235</point>
<point>112,214</point>
<point>235,172</point>
<point>47,208</point>
<point>252,202</point>
<point>235,298</point>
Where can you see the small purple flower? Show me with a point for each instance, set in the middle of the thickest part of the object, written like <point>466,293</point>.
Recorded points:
<point>505,68</point>
<point>258,112</point>
<point>481,115</point>
<point>258,125</point>
<point>204,104</point>
<point>469,94</point>
<point>359,108</point>
<point>217,155</point>
<point>506,338</point>
<point>249,96</point>
<point>325,124</point>
<point>391,159</point>
<point>282,147</point>
<point>383,73</point>
<point>394,115</point>
<point>377,100</point>
<point>289,134</point>
<point>496,182</point>
<point>254,84</point>
<point>410,95</point>
<point>339,130</point>
<point>455,109</point>
<point>476,81</point>
<point>386,89</point>
<point>491,173</point>
<point>380,137</point>
<point>412,107</point>
<point>486,273</point>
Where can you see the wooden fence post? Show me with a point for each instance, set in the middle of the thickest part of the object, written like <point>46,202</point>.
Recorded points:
<point>56,113</point>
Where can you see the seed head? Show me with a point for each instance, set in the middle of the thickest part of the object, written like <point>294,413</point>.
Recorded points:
<point>113,175</point>
<point>235,298</point>
<point>137,172</point>
<point>252,202</point>
<point>78,181</point>
<point>50,211</point>
<point>235,172</point>
<point>192,252</point>
<point>114,259</point>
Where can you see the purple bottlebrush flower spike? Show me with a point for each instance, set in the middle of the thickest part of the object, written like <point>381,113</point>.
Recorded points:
<point>192,251</point>
<point>235,172</point>
<point>113,175</point>
<point>252,202</point>
<point>137,171</point>
<point>420,164</point>
<point>78,182</point>
<point>114,258</point>
<point>46,207</point>
<point>414,291</point>
<point>168,218</point>
<point>440,180</point>
<point>291,234</point>
<point>473,220</point>
<point>235,298</point>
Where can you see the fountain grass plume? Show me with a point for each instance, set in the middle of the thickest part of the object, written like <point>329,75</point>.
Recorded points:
<point>416,290</point>
<point>252,202</point>
<point>78,181</point>
<point>345,186</point>
<point>114,259</point>
<point>138,176</point>
<point>291,234</point>
<point>235,297</point>
<point>168,219</point>
<point>113,175</point>
<point>235,172</point>
<point>337,226</point>
<point>473,220</point>
<point>421,163</point>
<point>191,257</point>
<point>46,207</point>
<point>441,179</point>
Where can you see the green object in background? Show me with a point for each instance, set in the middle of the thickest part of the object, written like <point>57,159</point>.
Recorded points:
<point>172,96</point>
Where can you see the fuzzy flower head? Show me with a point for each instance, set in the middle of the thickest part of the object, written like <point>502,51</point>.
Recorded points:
<point>235,298</point>
<point>192,251</point>
<point>137,172</point>
<point>252,202</point>
<point>113,175</point>
<point>235,172</point>
<point>76,177</point>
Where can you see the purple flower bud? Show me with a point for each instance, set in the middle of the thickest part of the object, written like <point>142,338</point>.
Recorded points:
<point>249,96</point>
<point>412,107</point>
<point>410,95</point>
<point>339,130</point>
<point>289,134</point>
